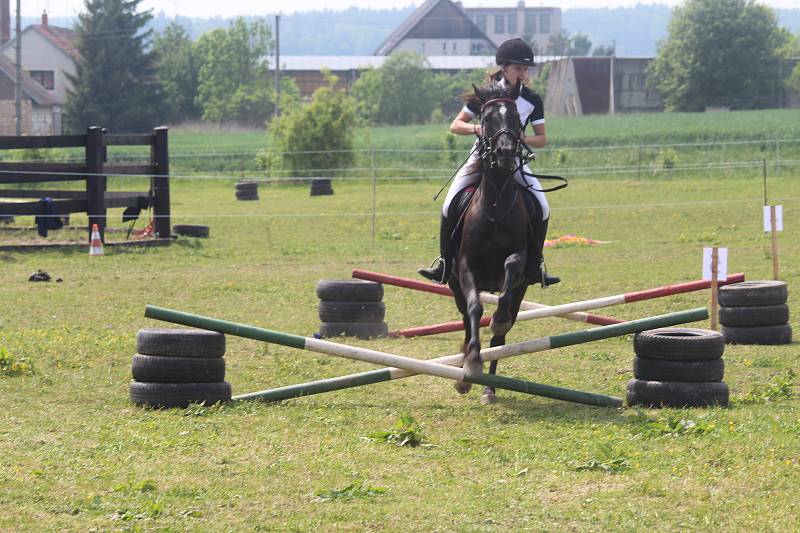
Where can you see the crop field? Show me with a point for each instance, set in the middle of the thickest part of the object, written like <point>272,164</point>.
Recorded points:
<point>76,455</point>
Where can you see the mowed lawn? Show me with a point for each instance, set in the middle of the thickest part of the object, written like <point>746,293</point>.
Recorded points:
<point>75,455</point>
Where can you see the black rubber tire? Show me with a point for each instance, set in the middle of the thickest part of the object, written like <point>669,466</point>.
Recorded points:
<point>316,192</point>
<point>362,330</point>
<point>679,344</point>
<point>351,311</point>
<point>180,342</point>
<point>757,315</point>
<point>349,290</point>
<point>178,394</point>
<point>191,230</point>
<point>771,335</point>
<point>244,197</point>
<point>750,293</point>
<point>161,369</point>
<point>676,394</point>
<point>687,371</point>
<point>246,186</point>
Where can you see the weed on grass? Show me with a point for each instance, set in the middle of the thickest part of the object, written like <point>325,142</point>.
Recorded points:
<point>356,489</point>
<point>405,432</point>
<point>12,366</point>
<point>607,460</point>
<point>780,389</point>
<point>670,424</point>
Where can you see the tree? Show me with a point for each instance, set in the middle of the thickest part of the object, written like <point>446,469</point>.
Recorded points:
<point>563,44</point>
<point>233,80</point>
<point>791,52</point>
<point>580,45</point>
<point>114,84</point>
<point>719,53</point>
<point>177,70</point>
<point>401,91</point>
<point>603,51</point>
<point>326,127</point>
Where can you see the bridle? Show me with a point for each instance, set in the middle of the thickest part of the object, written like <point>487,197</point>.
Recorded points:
<point>486,150</point>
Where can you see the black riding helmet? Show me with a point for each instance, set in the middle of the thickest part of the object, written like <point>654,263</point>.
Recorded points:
<point>514,51</point>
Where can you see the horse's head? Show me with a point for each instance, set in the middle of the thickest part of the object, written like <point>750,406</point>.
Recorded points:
<point>500,124</point>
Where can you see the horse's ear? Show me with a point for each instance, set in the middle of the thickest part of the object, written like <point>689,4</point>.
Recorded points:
<point>479,92</point>
<point>514,94</point>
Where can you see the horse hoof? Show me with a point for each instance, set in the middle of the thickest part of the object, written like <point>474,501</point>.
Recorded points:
<point>473,368</point>
<point>488,399</point>
<point>463,387</point>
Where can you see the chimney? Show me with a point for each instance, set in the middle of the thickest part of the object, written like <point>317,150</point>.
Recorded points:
<point>5,21</point>
<point>44,18</point>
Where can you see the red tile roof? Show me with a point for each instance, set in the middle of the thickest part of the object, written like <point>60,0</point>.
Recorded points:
<point>62,38</point>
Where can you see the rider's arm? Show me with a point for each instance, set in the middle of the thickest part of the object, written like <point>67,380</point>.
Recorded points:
<point>461,125</point>
<point>537,140</point>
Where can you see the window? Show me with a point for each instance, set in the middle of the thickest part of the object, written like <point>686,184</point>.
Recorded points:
<point>530,23</point>
<point>44,77</point>
<point>454,48</point>
<point>511,23</point>
<point>480,21</point>
<point>499,24</point>
<point>444,48</point>
<point>544,23</point>
<point>421,47</point>
<point>477,48</point>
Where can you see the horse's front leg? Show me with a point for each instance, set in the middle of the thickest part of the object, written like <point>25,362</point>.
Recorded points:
<point>507,308</point>
<point>503,317</point>
<point>473,365</point>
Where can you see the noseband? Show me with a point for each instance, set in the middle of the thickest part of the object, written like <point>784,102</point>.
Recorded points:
<point>487,144</point>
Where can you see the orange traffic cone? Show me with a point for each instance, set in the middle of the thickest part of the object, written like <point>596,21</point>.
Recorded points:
<point>96,247</point>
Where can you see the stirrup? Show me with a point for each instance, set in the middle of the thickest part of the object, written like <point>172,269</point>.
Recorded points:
<point>547,280</point>
<point>428,273</point>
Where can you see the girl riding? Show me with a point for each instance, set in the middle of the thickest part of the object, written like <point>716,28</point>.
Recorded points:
<point>514,57</point>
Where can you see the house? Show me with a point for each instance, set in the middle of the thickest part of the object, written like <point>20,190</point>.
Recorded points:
<point>588,85</point>
<point>48,55</point>
<point>438,28</point>
<point>307,71</point>
<point>41,114</point>
<point>536,25</point>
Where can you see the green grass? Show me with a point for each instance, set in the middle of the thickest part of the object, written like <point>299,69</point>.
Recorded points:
<point>76,455</point>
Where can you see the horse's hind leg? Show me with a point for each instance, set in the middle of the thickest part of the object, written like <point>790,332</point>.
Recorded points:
<point>472,344</point>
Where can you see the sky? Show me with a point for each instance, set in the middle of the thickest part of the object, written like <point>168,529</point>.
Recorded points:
<point>230,8</point>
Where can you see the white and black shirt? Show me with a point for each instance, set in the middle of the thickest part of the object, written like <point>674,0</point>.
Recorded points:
<point>529,107</point>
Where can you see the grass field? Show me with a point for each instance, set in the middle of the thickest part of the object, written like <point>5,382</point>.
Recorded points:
<point>76,455</point>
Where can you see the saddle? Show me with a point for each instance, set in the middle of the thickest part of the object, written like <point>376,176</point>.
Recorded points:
<point>462,200</point>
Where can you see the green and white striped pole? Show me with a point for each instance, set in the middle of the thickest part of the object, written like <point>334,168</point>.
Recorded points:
<point>488,354</point>
<point>406,366</point>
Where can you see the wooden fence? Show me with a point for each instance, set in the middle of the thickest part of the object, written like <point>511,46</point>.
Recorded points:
<point>95,200</point>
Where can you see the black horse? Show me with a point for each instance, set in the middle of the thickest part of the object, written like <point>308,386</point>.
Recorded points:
<point>497,237</point>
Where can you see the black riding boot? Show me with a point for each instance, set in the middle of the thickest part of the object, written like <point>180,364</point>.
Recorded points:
<point>440,272</point>
<point>540,275</point>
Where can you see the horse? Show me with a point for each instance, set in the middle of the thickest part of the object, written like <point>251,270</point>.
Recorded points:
<point>496,235</point>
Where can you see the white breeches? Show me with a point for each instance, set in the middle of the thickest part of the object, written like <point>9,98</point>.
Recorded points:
<point>468,175</point>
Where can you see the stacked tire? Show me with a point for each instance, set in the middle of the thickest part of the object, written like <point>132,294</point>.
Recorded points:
<point>321,187</point>
<point>176,367</point>
<point>678,367</point>
<point>352,307</point>
<point>755,312</point>
<point>247,190</point>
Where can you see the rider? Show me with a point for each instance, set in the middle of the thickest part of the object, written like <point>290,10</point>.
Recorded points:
<point>514,57</point>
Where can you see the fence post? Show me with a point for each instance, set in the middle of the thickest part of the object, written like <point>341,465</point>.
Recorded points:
<point>777,156</point>
<point>95,181</point>
<point>161,182</point>
<point>639,164</point>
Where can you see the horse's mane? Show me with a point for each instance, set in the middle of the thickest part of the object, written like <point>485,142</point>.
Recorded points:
<point>490,90</point>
